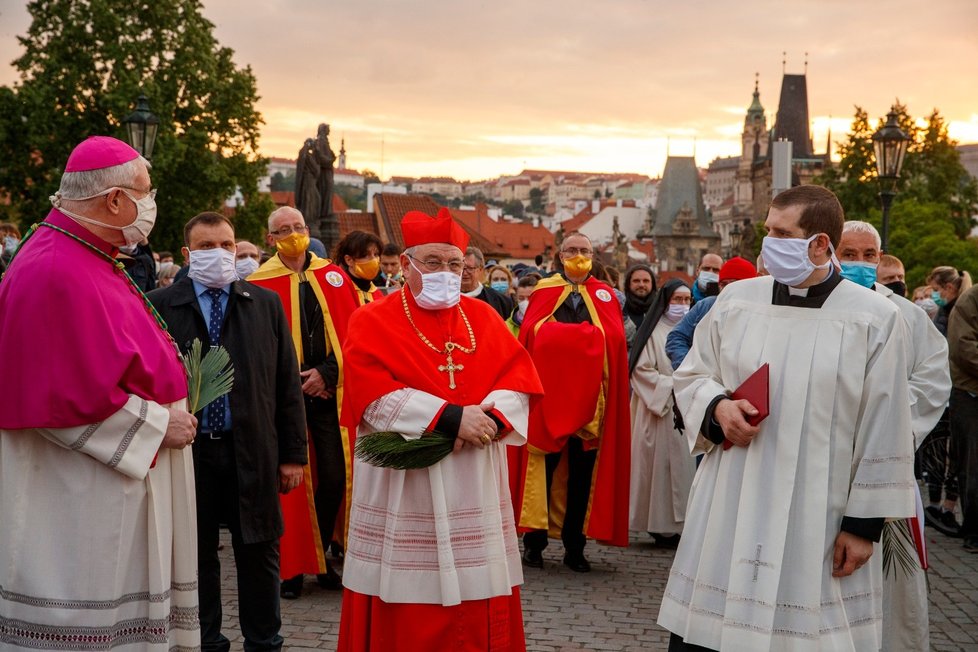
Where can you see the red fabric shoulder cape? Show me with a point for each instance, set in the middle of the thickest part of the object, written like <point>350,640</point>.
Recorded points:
<point>607,520</point>
<point>301,547</point>
<point>384,353</point>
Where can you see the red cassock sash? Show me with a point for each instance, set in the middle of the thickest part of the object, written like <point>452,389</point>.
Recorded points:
<point>301,547</point>
<point>584,368</point>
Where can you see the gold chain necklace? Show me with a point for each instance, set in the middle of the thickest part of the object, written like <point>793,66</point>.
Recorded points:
<point>450,347</point>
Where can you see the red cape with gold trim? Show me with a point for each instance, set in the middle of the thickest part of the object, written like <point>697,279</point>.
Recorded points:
<point>596,378</point>
<point>498,362</point>
<point>301,547</point>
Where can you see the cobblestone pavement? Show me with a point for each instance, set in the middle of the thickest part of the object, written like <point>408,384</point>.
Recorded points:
<point>614,607</point>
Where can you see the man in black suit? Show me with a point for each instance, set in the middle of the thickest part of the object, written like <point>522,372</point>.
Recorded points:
<point>250,444</point>
<point>473,274</point>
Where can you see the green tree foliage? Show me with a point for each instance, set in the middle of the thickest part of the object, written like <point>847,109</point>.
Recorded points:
<point>84,64</point>
<point>537,203</point>
<point>931,217</point>
<point>355,198</point>
<point>853,178</point>
<point>283,182</point>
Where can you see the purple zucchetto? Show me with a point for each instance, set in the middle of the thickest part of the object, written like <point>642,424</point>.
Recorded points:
<point>98,152</point>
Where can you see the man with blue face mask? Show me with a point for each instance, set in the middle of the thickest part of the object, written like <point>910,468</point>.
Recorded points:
<point>905,623</point>
<point>473,275</point>
<point>251,443</point>
<point>778,542</point>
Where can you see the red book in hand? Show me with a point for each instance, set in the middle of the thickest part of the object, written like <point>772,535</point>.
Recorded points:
<point>756,389</point>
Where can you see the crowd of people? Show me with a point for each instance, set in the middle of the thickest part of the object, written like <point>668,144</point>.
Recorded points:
<point>571,408</point>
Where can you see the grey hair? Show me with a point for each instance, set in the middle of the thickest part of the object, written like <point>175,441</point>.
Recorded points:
<point>282,209</point>
<point>856,226</point>
<point>475,251</point>
<point>81,185</point>
<point>410,251</point>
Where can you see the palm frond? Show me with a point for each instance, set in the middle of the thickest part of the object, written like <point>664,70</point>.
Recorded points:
<point>390,450</point>
<point>209,377</point>
<point>899,552</point>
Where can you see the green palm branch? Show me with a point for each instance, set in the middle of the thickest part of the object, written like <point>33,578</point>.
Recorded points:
<point>208,378</point>
<point>390,450</point>
<point>899,552</point>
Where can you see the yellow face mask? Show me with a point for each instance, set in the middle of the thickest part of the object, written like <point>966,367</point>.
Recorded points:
<point>367,270</point>
<point>578,265</point>
<point>293,245</point>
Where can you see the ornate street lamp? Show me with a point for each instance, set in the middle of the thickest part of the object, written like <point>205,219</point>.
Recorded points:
<point>141,126</point>
<point>736,238</point>
<point>890,143</point>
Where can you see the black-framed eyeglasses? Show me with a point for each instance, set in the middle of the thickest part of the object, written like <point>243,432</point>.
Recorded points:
<point>574,251</point>
<point>289,230</point>
<point>435,265</point>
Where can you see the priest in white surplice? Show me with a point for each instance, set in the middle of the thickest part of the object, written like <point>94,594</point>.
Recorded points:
<point>780,526</point>
<point>97,519</point>
<point>905,621</point>
<point>432,561</point>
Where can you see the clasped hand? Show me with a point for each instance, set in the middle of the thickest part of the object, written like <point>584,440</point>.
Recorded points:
<point>477,427</point>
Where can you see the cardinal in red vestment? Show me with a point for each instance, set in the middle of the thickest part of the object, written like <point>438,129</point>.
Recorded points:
<point>572,479</point>
<point>432,561</point>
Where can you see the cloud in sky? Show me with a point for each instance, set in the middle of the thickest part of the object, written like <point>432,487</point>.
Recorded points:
<point>477,88</point>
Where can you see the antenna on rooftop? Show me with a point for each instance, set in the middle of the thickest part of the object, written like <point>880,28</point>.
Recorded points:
<point>784,62</point>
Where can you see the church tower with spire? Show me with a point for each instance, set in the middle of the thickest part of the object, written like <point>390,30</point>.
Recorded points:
<point>754,145</point>
<point>341,163</point>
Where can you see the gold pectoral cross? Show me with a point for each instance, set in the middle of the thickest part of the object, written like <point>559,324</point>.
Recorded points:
<point>450,365</point>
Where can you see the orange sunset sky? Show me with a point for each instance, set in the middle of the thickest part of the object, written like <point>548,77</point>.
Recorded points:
<point>475,89</point>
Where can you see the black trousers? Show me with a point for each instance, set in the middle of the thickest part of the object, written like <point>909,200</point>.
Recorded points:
<point>257,563</point>
<point>964,445</point>
<point>327,443</point>
<point>580,466</point>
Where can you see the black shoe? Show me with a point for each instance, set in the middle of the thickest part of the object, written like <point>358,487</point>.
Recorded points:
<point>949,521</point>
<point>532,558</point>
<point>576,562</point>
<point>291,589</point>
<point>970,544</point>
<point>670,541</point>
<point>330,580</point>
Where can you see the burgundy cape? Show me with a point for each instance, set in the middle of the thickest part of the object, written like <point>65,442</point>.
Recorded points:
<point>75,337</point>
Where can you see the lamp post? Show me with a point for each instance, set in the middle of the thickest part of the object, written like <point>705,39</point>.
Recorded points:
<point>736,238</point>
<point>890,144</point>
<point>141,126</point>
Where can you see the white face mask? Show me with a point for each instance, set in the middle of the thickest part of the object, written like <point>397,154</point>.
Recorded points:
<point>521,306</point>
<point>705,278</point>
<point>676,311</point>
<point>245,267</point>
<point>786,259</point>
<point>213,267</point>
<point>439,290</point>
<point>133,233</point>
